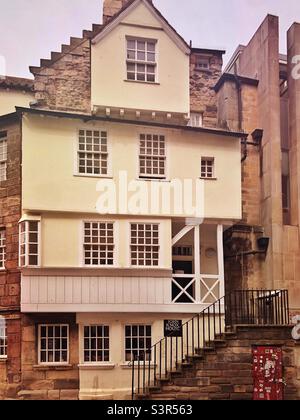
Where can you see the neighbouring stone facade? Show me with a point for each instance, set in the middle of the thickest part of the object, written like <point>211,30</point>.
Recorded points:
<point>46,382</point>
<point>202,82</point>
<point>250,98</point>
<point>225,372</point>
<point>10,210</point>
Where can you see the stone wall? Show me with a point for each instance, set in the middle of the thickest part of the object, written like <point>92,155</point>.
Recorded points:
<point>10,210</point>
<point>46,382</point>
<point>202,83</point>
<point>64,84</point>
<point>112,7</point>
<point>226,371</point>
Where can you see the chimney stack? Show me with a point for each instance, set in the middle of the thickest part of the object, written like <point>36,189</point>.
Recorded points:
<point>112,7</point>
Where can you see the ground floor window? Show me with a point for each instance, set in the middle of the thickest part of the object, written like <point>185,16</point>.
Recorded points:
<point>3,339</point>
<point>96,344</point>
<point>137,341</point>
<point>53,344</point>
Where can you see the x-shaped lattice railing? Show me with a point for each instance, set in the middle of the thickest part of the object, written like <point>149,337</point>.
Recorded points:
<point>184,289</point>
<point>210,289</point>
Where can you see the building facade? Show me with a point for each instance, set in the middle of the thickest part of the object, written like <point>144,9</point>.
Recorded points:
<point>12,91</point>
<point>123,204</point>
<point>99,277</point>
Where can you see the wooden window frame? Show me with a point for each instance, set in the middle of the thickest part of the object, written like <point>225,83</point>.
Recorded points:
<point>145,248</point>
<point>149,153</point>
<point>48,350</point>
<point>132,351</point>
<point>25,253</point>
<point>3,156</point>
<point>2,249</point>
<point>102,344</point>
<point>134,73</point>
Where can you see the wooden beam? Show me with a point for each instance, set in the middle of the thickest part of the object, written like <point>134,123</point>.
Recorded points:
<point>181,234</point>
<point>221,259</point>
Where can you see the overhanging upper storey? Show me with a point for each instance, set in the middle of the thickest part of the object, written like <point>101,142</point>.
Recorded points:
<point>139,63</point>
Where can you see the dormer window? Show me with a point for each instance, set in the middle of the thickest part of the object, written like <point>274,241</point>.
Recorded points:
<point>141,60</point>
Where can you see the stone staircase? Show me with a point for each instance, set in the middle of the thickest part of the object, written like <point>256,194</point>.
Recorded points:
<point>223,371</point>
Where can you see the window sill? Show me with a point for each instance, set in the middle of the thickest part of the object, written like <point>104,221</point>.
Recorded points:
<point>142,82</point>
<point>3,360</point>
<point>209,179</point>
<point>93,176</point>
<point>52,367</point>
<point>128,365</point>
<point>96,366</point>
<point>163,180</point>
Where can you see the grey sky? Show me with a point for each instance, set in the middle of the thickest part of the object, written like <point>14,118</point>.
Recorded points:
<point>31,29</point>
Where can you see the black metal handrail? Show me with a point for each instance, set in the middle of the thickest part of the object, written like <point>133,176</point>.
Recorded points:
<point>239,307</point>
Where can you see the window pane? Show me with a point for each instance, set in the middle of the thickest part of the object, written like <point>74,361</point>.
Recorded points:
<point>54,344</point>
<point>96,339</point>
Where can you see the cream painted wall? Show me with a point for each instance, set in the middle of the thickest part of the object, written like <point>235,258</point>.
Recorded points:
<point>115,383</point>
<point>49,166</point>
<point>9,99</point>
<point>109,85</point>
<point>62,240</point>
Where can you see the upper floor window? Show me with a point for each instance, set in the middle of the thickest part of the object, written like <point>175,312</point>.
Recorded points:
<point>53,344</point>
<point>141,60</point>
<point>29,243</point>
<point>2,248</point>
<point>92,152</point>
<point>207,168</point>
<point>3,156</point>
<point>202,63</point>
<point>98,243</point>
<point>144,245</point>
<point>3,339</point>
<point>152,156</point>
<point>96,344</point>
<point>196,119</point>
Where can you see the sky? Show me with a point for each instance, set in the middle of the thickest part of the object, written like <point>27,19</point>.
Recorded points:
<point>31,29</point>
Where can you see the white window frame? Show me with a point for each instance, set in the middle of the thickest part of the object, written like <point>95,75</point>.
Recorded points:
<point>2,249</point>
<point>27,244</point>
<point>135,61</point>
<point>202,63</point>
<point>93,152</point>
<point>3,336</point>
<point>132,244</point>
<point>153,156</point>
<point>196,119</point>
<point>114,244</point>
<point>103,350</point>
<point>205,176</point>
<point>145,336</point>
<point>62,363</point>
<point>3,156</point>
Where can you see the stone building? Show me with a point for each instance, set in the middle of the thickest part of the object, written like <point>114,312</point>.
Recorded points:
<point>99,278</point>
<point>258,93</point>
<point>12,91</point>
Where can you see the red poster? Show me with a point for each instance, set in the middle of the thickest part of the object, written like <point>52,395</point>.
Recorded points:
<point>268,373</point>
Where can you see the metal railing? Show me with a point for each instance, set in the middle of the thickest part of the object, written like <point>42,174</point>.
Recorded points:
<point>240,307</point>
